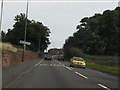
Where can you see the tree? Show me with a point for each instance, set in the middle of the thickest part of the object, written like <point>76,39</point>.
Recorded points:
<point>3,35</point>
<point>36,33</point>
<point>97,35</point>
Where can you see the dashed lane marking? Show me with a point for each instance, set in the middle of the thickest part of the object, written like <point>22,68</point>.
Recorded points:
<point>68,68</point>
<point>71,67</point>
<point>104,87</point>
<point>55,65</point>
<point>63,65</point>
<point>38,63</point>
<point>81,75</point>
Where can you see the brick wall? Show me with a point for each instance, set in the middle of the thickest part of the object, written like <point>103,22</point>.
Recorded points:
<point>10,58</point>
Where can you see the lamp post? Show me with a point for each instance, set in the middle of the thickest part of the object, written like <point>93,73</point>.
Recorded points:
<point>1,14</point>
<point>119,4</point>
<point>24,46</point>
<point>1,45</point>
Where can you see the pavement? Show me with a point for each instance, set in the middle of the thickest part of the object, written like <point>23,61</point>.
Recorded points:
<point>56,74</point>
<point>14,71</point>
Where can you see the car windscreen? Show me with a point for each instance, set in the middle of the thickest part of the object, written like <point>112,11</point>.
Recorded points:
<point>77,59</point>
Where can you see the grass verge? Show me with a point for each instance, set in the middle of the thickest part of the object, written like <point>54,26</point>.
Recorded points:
<point>104,69</point>
<point>6,47</point>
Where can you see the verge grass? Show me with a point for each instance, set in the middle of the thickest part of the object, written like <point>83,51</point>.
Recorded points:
<point>106,64</point>
<point>7,47</point>
<point>104,68</point>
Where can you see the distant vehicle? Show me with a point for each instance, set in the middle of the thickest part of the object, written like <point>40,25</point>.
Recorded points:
<point>61,57</point>
<point>77,62</point>
<point>48,57</point>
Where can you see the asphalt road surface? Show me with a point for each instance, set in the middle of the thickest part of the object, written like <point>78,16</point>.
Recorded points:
<point>58,74</point>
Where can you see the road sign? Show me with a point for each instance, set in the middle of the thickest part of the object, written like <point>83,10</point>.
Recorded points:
<point>24,42</point>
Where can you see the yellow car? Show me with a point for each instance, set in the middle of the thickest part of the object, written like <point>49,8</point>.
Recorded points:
<point>78,62</point>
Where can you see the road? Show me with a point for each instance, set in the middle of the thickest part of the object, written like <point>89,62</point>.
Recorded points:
<point>58,74</point>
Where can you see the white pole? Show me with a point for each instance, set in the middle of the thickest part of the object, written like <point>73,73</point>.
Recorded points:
<point>24,46</point>
<point>1,15</point>
<point>1,45</point>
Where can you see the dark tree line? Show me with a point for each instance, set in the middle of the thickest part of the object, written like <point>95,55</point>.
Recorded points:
<point>36,33</point>
<point>97,35</point>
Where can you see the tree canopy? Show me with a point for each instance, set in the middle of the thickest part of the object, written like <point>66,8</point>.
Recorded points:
<point>97,35</point>
<point>36,33</point>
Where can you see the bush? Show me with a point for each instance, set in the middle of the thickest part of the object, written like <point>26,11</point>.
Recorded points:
<point>102,60</point>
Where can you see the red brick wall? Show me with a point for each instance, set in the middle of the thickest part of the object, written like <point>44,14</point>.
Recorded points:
<point>10,58</point>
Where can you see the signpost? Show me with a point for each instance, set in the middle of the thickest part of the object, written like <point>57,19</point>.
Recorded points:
<point>24,45</point>
<point>24,42</point>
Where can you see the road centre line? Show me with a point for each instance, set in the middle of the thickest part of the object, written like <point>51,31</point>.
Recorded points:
<point>75,72</point>
<point>68,68</point>
<point>81,75</point>
<point>57,62</point>
<point>71,67</point>
<point>63,65</point>
<point>103,86</point>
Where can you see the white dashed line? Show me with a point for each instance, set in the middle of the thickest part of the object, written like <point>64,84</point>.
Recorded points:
<point>71,68</point>
<point>38,63</point>
<point>27,70</point>
<point>63,65</point>
<point>81,75</point>
<point>23,73</point>
<point>58,65</point>
<point>68,68</point>
<point>51,65</point>
<point>104,86</point>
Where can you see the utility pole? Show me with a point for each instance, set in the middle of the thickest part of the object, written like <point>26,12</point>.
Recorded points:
<point>39,43</point>
<point>119,4</point>
<point>1,45</point>
<point>1,15</point>
<point>24,46</point>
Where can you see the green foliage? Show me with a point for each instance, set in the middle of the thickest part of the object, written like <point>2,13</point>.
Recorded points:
<point>36,33</point>
<point>3,35</point>
<point>96,35</point>
<point>105,69</point>
<point>70,52</point>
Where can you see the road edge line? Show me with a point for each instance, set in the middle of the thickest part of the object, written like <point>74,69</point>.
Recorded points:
<point>19,76</point>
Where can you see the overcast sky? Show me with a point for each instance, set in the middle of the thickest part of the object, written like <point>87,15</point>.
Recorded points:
<point>60,17</point>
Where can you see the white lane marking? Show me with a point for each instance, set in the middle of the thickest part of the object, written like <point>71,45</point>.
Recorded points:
<point>68,68</point>
<point>104,87</point>
<point>57,65</point>
<point>81,75</point>
<point>28,70</point>
<point>63,65</point>
<point>38,63</point>
<point>58,62</point>
<point>71,68</point>
<point>23,73</point>
<point>51,65</point>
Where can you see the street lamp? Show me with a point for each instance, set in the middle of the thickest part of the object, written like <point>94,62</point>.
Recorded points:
<point>1,14</point>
